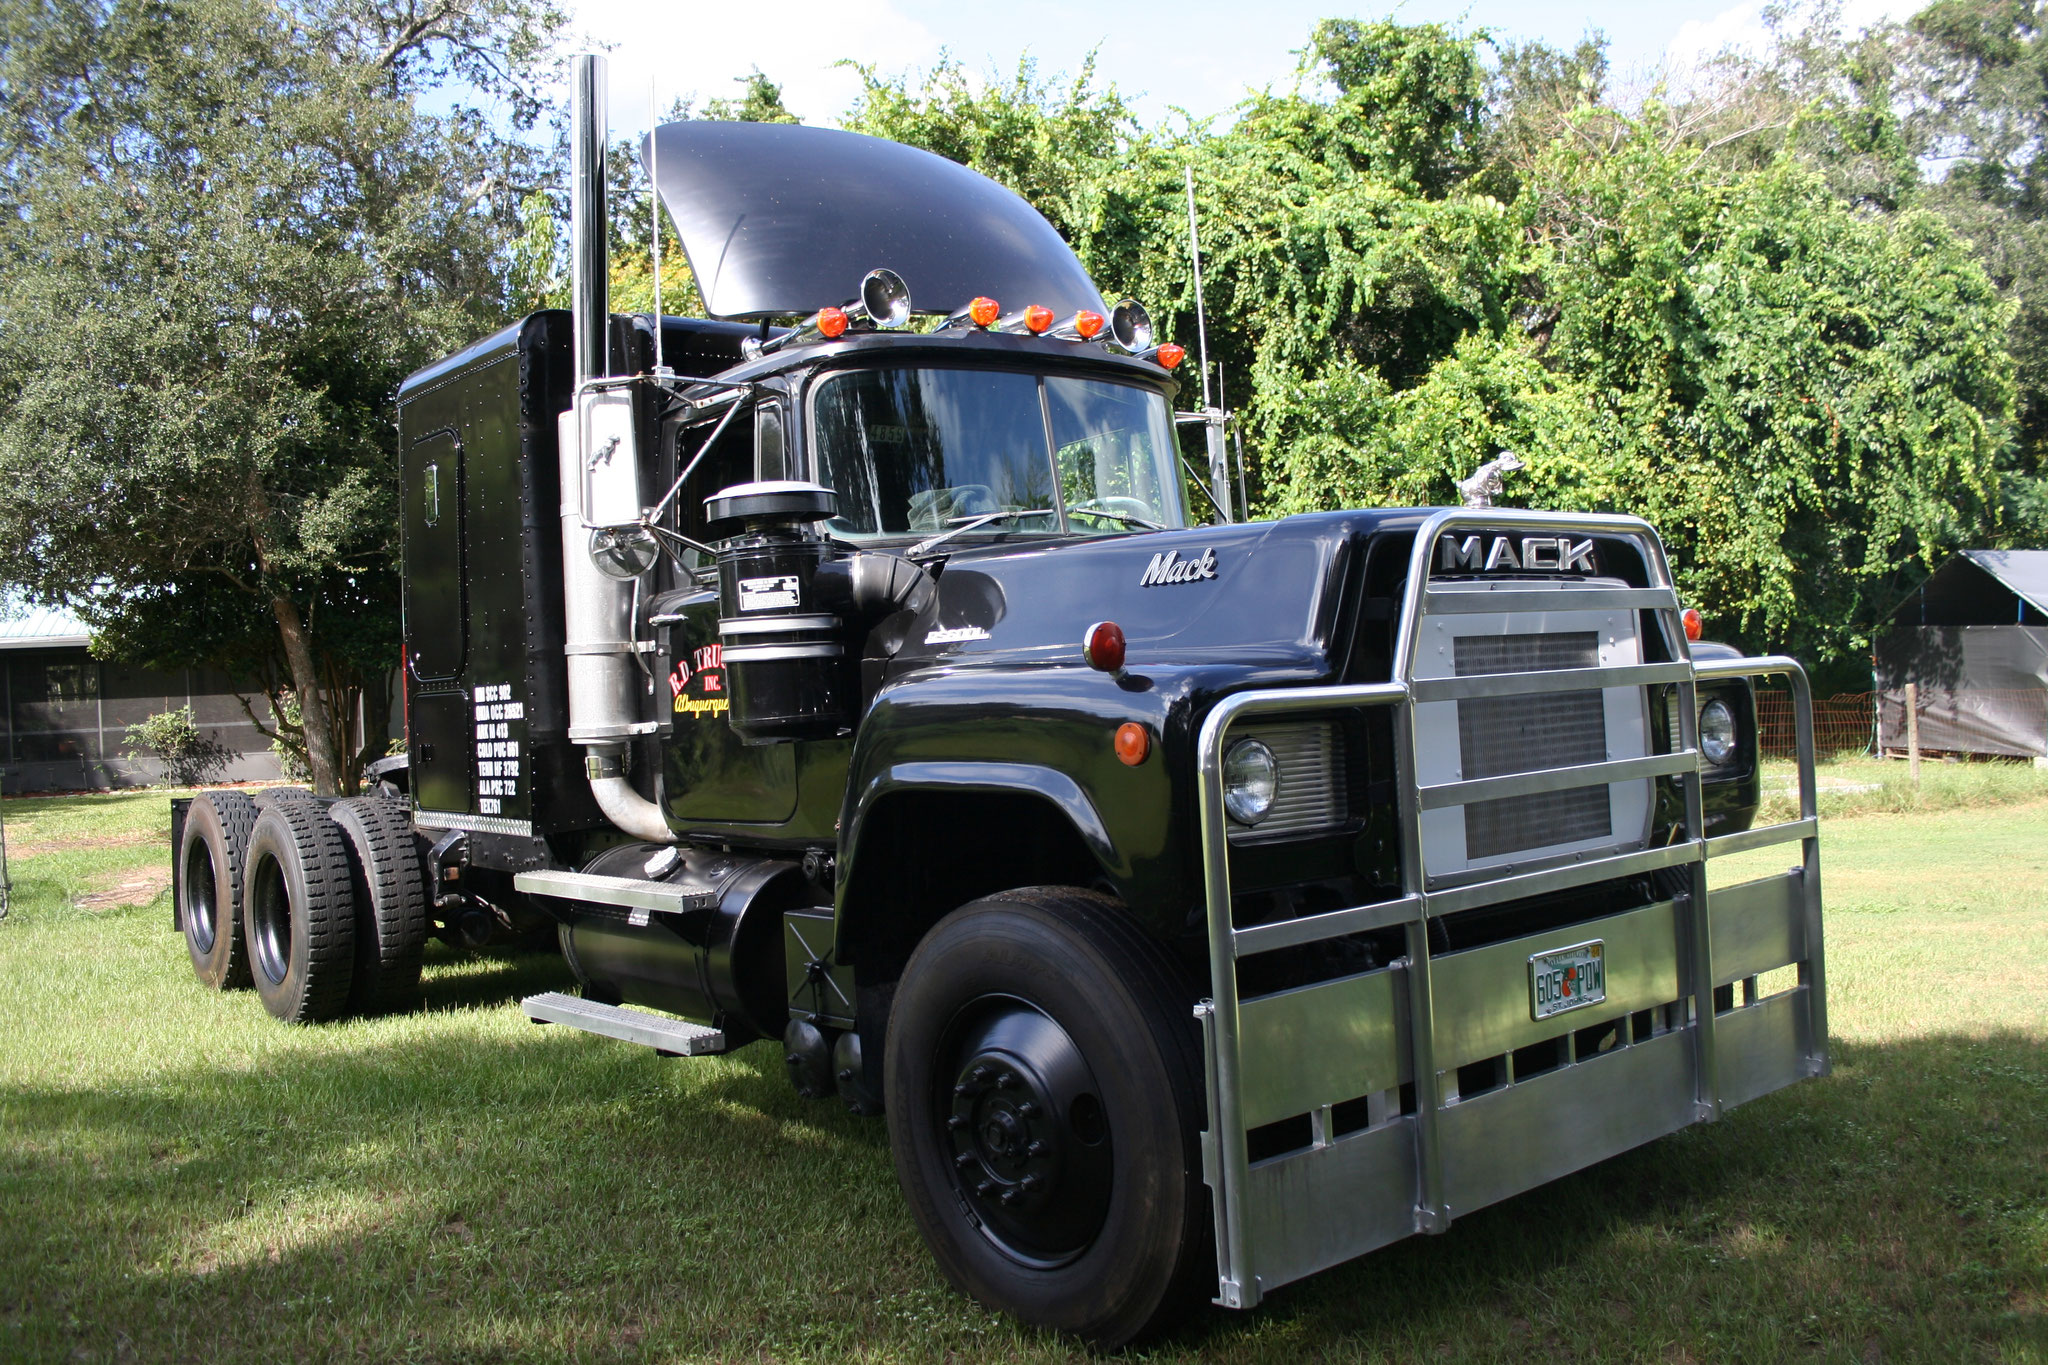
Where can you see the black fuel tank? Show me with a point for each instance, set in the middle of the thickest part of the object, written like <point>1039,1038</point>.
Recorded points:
<point>722,966</point>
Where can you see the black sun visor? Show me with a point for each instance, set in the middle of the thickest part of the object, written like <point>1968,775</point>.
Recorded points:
<point>779,219</point>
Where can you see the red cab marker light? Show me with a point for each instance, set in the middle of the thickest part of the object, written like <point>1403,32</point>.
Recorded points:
<point>1037,318</point>
<point>1171,354</point>
<point>984,311</point>
<point>1133,743</point>
<point>1104,647</point>
<point>1690,619</point>
<point>1088,324</point>
<point>832,322</point>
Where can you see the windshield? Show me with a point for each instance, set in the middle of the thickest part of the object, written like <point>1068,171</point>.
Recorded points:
<point>924,451</point>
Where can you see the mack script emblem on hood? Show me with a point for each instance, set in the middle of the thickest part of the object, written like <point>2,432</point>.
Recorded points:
<point>1559,553</point>
<point>1169,567</point>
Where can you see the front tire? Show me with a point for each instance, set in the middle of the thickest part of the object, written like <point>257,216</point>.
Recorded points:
<point>1044,1099</point>
<point>298,915</point>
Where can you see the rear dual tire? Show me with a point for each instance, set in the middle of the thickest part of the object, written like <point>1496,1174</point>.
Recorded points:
<point>298,915</point>
<point>212,851</point>
<point>389,894</point>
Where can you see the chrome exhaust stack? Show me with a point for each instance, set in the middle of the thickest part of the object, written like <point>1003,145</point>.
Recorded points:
<point>601,496</point>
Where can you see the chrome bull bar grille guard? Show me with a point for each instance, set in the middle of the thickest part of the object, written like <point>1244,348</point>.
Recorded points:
<point>1411,1167</point>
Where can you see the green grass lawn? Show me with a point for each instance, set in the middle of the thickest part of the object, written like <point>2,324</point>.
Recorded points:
<point>181,1178</point>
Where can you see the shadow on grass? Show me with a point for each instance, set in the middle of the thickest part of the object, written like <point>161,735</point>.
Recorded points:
<point>456,979</point>
<point>551,1195</point>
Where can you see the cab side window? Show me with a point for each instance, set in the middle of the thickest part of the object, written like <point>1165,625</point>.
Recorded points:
<point>729,463</point>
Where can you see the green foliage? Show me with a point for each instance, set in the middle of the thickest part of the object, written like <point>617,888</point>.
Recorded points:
<point>1978,75</point>
<point>190,756</point>
<point>1736,309</point>
<point>1063,145</point>
<point>231,232</point>
<point>1705,313</point>
<point>286,740</point>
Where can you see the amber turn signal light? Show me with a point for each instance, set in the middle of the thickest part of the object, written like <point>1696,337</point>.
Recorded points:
<point>1133,742</point>
<point>1171,354</point>
<point>1690,619</point>
<point>832,322</point>
<point>984,311</point>
<point>1104,646</point>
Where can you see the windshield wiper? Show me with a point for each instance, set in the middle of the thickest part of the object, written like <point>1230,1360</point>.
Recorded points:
<point>973,523</point>
<point>1126,518</point>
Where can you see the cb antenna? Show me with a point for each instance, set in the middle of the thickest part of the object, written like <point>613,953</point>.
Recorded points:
<point>1195,254</point>
<point>661,370</point>
<point>1212,417</point>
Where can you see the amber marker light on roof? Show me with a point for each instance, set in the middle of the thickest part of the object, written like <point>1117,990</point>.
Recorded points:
<point>1088,324</point>
<point>1037,318</point>
<point>984,311</point>
<point>832,322</point>
<point>1133,743</point>
<point>1690,619</point>
<point>1171,354</point>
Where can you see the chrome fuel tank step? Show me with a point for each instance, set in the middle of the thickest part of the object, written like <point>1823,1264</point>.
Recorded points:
<point>636,893</point>
<point>670,1037</point>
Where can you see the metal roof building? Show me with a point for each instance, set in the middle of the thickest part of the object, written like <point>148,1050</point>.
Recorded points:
<point>1974,640</point>
<point>64,715</point>
<point>24,627</point>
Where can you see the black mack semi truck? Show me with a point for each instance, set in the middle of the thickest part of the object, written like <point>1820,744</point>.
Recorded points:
<point>1205,903</point>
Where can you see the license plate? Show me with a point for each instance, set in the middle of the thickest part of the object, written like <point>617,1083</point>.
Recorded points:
<point>1567,979</point>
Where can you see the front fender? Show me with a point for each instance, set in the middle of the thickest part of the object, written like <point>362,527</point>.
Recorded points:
<point>1047,733</point>
<point>1031,779</point>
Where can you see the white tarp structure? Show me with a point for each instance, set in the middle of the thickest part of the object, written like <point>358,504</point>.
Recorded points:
<point>1974,641</point>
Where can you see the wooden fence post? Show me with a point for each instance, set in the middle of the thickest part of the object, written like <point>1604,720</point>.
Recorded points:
<point>1913,732</point>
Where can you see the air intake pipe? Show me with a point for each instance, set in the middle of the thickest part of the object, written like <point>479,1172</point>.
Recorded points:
<point>600,487</point>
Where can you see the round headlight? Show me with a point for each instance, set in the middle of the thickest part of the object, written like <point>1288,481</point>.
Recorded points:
<point>1250,777</point>
<point>1717,732</point>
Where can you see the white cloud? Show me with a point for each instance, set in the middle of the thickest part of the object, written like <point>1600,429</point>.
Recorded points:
<point>699,49</point>
<point>1742,27</point>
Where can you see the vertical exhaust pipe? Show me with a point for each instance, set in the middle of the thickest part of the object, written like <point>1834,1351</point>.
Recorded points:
<point>600,486</point>
<point>589,272</point>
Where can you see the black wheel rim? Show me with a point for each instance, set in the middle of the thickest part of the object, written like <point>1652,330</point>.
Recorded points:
<point>270,915</point>
<point>1024,1131</point>
<point>200,906</point>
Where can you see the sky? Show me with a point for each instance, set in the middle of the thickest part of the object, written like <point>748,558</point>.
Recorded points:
<point>1198,55</point>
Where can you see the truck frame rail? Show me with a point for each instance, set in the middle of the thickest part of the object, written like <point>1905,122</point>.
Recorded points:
<point>1373,1059</point>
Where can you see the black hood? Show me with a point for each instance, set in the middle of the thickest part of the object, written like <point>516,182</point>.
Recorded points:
<point>779,219</point>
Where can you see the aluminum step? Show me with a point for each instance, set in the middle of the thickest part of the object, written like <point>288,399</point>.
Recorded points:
<point>670,1037</point>
<point>632,892</point>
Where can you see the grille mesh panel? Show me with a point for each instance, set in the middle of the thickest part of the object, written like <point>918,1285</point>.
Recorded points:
<point>1526,653</point>
<point>1517,823</point>
<point>1528,733</point>
<point>1311,793</point>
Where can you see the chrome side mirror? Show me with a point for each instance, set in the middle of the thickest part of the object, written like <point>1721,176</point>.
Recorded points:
<point>623,552</point>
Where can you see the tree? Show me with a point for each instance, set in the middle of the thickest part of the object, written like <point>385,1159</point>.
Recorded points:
<point>1712,313</point>
<point>230,232</point>
<point>1976,74</point>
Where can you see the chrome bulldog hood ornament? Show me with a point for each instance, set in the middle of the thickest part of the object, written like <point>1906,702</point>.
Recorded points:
<point>1485,484</point>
